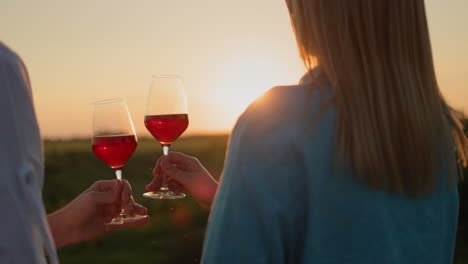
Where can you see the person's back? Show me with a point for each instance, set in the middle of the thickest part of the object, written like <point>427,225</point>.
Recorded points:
<point>283,199</point>
<point>348,222</point>
<point>356,165</point>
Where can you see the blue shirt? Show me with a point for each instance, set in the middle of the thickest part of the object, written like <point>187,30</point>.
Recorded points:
<point>282,198</point>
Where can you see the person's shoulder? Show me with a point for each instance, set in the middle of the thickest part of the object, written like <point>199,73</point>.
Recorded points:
<point>8,56</point>
<point>14,78</point>
<point>279,117</point>
<point>277,102</point>
<point>285,107</point>
<point>11,65</point>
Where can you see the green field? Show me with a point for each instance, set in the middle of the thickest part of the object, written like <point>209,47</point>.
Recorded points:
<point>175,232</point>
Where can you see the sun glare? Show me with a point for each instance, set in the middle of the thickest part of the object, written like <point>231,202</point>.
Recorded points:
<point>244,79</point>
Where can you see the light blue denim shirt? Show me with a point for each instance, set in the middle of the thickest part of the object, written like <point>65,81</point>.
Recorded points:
<point>282,199</point>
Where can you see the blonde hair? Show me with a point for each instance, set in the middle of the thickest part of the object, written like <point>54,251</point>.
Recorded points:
<point>392,122</point>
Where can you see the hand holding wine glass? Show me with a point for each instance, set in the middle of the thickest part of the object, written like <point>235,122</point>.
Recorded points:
<point>88,215</point>
<point>114,140</point>
<point>166,119</point>
<point>187,173</point>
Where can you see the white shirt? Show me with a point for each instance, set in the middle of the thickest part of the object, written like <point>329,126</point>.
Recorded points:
<point>24,231</point>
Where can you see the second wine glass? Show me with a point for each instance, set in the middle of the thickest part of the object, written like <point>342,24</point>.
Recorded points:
<point>166,119</point>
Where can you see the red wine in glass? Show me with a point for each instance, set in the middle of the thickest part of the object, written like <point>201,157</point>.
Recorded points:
<point>114,150</point>
<point>166,128</point>
<point>166,119</point>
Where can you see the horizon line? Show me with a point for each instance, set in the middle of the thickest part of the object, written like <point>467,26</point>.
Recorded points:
<point>145,137</point>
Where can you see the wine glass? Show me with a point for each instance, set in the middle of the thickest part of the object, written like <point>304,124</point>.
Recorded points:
<point>166,119</point>
<point>114,140</point>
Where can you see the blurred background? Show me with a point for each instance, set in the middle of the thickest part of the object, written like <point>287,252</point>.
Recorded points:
<point>228,52</point>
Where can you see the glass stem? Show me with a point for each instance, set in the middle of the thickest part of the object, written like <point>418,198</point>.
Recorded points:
<point>164,186</point>
<point>118,175</point>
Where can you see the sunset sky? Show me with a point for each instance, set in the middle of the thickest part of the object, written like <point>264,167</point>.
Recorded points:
<point>229,52</point>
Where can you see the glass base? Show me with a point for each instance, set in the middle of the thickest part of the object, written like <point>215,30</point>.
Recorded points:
<point>119,220</point>
<point>161,195</point>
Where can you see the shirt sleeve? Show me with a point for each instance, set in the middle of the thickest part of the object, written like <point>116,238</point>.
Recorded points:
<point>257,215</point>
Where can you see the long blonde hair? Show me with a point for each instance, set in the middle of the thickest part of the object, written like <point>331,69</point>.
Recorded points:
<point>393,122</point>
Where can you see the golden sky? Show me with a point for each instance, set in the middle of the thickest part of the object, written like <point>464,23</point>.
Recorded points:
<point>229,52</point>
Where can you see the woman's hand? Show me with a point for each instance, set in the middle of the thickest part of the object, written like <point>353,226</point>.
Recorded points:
<point>87,216</point>
<point>185,172</point>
